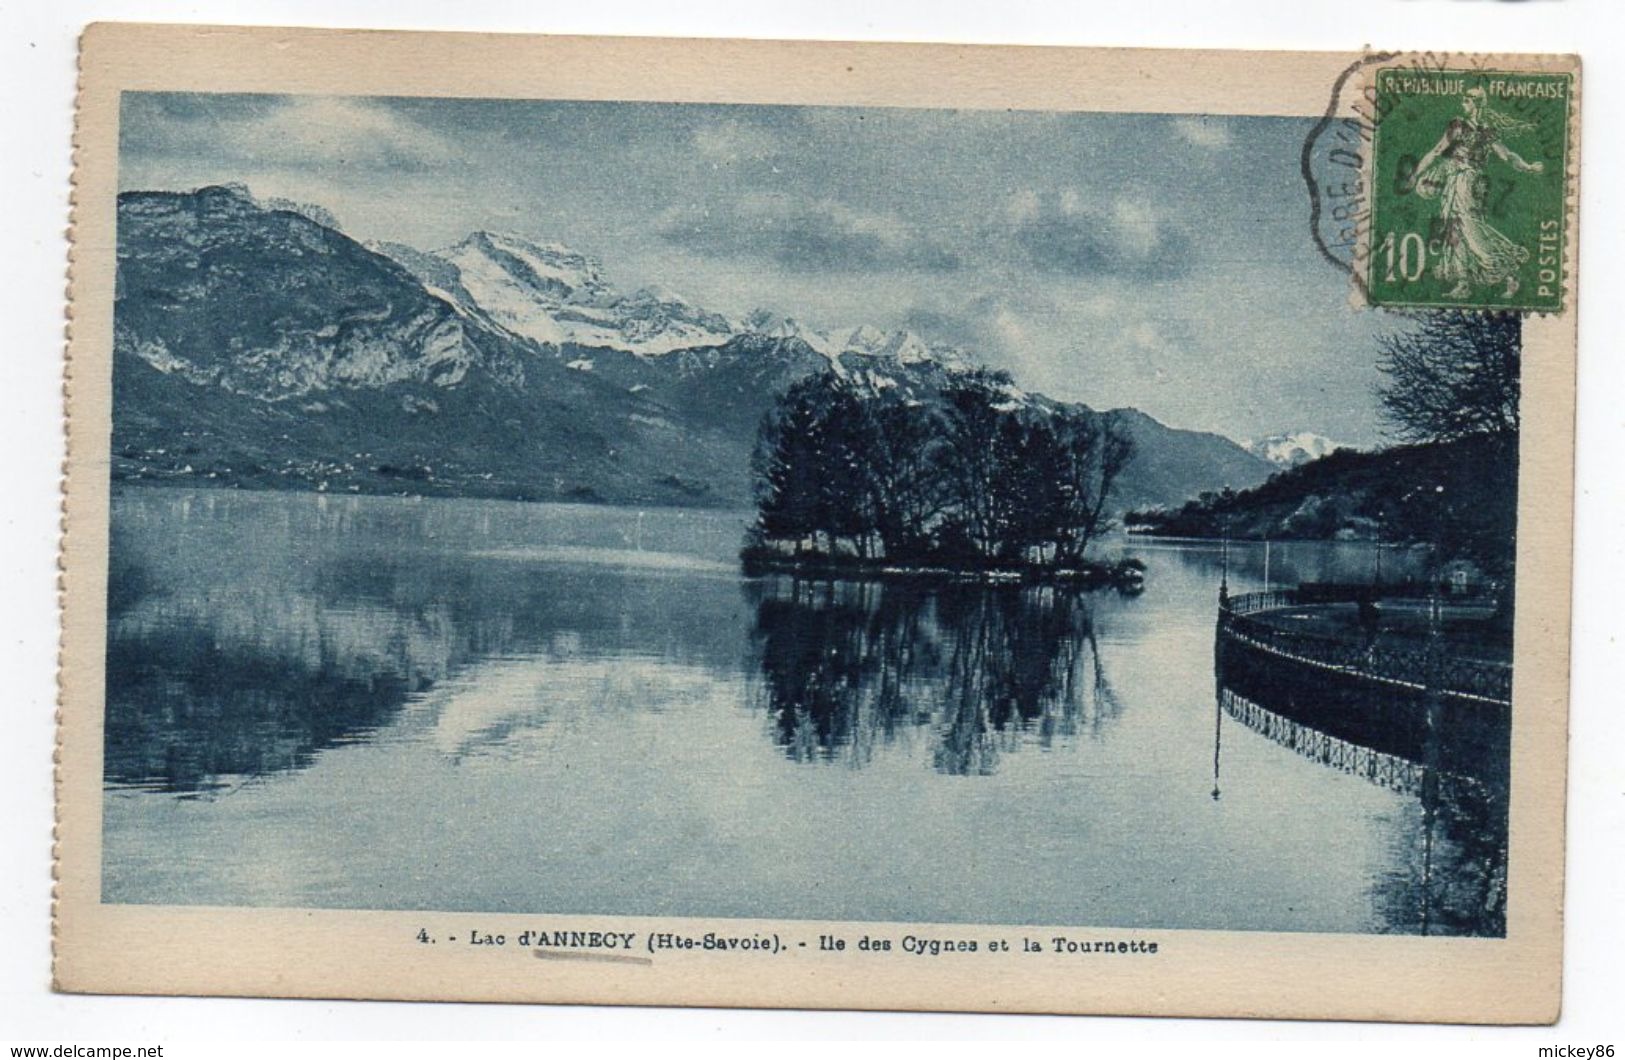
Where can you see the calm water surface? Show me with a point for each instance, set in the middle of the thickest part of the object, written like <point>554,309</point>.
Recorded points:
<point>465,705</point>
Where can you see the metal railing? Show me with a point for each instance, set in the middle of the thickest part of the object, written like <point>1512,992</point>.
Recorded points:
<point>1384,770</point>
<point>1248,603</point>
<point>1424,668</point>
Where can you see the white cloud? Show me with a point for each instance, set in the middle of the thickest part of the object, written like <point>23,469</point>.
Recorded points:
<point>1098,306</point>
<point>1023,206</point>
<point>806,235</point>
<point>1011,329</point>
<point>1136,225</point>
<point>1072,233</point>
<point>1208,132</point>
<point>1145,337</point>
<point>330,130</point>
<point>731,141</point>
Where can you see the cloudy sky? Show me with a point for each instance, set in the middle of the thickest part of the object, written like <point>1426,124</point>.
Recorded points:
<point>1155,261</point>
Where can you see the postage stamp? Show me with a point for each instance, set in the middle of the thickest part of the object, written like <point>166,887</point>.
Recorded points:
<point>1469,189</point>
<point>813,524</point>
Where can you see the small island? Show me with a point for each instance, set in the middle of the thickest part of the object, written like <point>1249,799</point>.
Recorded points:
<point>975,481</point>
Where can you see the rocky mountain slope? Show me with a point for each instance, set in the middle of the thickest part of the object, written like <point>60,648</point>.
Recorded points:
<point>257,346</point>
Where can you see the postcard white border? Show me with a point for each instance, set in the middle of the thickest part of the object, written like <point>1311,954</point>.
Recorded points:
<point>320,953</point>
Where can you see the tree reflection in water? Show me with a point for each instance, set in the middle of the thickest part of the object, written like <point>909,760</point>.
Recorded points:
<point>1451,876</point>
<point>1448,870</point>
<point>846,667</point>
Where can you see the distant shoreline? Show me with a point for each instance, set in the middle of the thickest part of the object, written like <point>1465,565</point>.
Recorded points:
<point>1259,539</point>
<point>586,497</point>
<point>1127,575</point>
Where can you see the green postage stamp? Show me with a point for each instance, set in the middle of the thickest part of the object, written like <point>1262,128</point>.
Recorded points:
<point>1469,195</point>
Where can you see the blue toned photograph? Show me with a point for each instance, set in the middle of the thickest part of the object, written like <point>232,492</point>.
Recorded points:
<point>810,513</point>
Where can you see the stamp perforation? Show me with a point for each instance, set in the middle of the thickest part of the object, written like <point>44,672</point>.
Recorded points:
<point>1472,69</point>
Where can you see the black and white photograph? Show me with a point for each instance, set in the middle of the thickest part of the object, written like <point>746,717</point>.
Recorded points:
<point>840,514</point>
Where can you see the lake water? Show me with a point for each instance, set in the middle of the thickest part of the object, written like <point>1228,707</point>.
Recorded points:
<point>388,703</point>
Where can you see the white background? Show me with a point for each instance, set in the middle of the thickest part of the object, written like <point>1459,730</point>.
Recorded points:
<point>38,68</point>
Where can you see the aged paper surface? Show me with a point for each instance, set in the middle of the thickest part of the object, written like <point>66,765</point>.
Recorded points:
<point>1023,570</point>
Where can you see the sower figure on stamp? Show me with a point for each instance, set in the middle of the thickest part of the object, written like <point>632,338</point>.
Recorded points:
<point>1473,253</point>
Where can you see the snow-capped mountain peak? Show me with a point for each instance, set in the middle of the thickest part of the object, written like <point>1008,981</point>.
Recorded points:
<point>791,328</point>
<point>659,292</point>
<point>1290,450</point>
<point>550,268</point>
<point>657,320</point>
<point>908,348</point>
<point>554,295</point>
<point>864,340</point>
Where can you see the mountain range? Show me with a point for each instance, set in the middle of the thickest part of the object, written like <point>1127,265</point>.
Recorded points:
<point>257,345</point>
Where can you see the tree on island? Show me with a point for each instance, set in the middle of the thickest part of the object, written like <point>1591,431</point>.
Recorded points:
<point>1094,458</point>
<point>905,485</point>
<point>976,458</point>
<point>975,479</point>
<point>785,466</point>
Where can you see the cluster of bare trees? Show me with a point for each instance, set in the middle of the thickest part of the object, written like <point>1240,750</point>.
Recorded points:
<point>1452,380</point>
<point>1454,376</point>
<point>972,479</point>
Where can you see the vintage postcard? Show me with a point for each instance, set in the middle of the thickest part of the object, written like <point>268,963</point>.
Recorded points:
<point>818,525</point>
